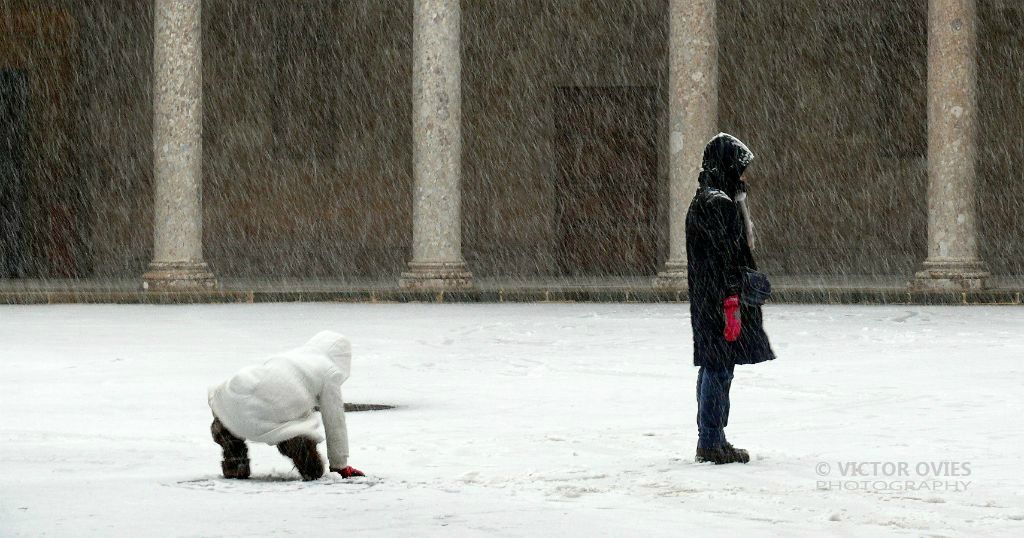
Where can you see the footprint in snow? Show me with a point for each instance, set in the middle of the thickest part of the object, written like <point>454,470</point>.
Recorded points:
<point>274,483</point>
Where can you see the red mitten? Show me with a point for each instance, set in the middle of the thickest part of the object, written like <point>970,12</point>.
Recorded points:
<point>349,472</point>
<point>732,318</point>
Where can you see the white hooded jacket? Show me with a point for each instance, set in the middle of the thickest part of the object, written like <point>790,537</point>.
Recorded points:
<point>275,401</point>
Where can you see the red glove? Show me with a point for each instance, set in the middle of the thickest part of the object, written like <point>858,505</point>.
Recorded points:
<point>732,318</point>
<point>348,472</point>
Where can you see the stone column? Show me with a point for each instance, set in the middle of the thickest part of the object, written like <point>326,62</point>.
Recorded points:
<point>437,149</point>
<point>953,262</point>
<point>177,150</point>
<point>693,118</point>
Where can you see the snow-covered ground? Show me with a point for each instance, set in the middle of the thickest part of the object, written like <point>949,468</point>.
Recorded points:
<point>525,420</point>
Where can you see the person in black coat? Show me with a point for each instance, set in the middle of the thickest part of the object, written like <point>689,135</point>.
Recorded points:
<point>727,323</point>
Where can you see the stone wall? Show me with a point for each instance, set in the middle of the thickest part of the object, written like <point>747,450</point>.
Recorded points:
<point>307,134</point>
<point>831,98</point>
<point>41,40</point>
<point>1001,129</point>
<point>830,95</point>
<point>115,71</point>
<point>515,55</point>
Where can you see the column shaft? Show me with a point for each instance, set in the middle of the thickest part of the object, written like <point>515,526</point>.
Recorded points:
<point>177,149</point>
<point>953,261</point>
<point>693,118</point>
<point>437,149</point>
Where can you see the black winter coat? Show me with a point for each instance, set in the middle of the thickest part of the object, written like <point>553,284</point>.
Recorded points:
<point>716,253</point>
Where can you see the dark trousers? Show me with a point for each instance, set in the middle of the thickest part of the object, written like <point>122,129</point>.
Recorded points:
<point>713,405</point>
<point>234,447</point>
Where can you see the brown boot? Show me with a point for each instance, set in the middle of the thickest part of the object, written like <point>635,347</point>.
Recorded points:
<point>235,467</point>
<point>236,453</point>
<point>722,454</point>
<point>302,451</point>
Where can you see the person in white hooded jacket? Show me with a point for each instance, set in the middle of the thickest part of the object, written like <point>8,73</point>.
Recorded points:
<point>276,403</point>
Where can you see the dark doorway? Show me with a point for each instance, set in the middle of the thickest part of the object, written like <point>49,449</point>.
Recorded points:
<point>606,178</point>
<point>13,104</point>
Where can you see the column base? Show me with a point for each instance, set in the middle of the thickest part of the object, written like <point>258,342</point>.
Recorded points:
<point>672,277</point>
<point>951,275</point>
<point>178,276</point>
<point>436,276</point>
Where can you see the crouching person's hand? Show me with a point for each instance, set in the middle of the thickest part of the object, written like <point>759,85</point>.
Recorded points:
<point>348,472</point>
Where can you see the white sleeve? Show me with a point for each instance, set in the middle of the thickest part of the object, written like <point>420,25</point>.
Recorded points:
<point>332,411</point>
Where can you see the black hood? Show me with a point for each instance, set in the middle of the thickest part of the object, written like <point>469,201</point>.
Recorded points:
<point>725,159</point>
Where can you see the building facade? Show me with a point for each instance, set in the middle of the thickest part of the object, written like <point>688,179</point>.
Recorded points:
<point>431,143</point>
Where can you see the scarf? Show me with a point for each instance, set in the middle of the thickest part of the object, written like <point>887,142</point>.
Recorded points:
<point>741,199</point>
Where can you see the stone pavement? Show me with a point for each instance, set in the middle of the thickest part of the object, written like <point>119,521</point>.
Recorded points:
<point>885,289</point>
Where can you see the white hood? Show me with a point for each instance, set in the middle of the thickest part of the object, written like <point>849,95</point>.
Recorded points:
<point>334,346</point>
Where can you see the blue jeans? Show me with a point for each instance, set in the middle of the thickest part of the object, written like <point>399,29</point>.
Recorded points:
<point>713,405</point>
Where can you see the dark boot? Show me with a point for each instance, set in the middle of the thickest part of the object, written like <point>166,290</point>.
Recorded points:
<point>235,467</point>
<point>722,454</point>
<point>303,452</point>
<point>738,454</point>
<point>236,453</point>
